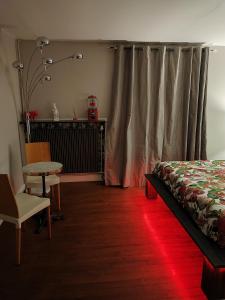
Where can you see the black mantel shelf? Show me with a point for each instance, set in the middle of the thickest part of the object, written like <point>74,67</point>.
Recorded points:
<point>64,121</point>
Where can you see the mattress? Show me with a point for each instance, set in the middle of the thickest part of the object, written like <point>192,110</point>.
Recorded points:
<point>199,187</point>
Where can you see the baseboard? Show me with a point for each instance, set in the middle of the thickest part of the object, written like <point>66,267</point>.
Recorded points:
<point>81,177</point>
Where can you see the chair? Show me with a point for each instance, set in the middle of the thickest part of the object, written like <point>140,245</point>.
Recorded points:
<point>36,152</point>
<point>17,209</point>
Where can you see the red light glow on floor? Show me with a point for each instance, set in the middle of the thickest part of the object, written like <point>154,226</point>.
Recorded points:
<point>183,263</point>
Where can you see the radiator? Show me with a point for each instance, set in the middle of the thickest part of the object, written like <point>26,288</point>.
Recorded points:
<point>78,145</point>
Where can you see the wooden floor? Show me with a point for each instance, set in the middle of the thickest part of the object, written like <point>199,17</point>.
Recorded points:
<point>113,244</point>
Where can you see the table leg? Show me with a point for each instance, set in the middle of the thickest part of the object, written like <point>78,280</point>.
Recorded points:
<point>43,186</point>
<point>41,221</point>
<point>41,218</point>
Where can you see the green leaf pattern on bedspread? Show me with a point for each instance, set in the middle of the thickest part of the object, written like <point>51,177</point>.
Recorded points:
<point>199,186</point>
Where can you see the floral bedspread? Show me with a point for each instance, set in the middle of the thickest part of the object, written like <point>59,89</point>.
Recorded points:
<point>199,186</point>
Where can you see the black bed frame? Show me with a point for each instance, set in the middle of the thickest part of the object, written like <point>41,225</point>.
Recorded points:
<point>213,274</point>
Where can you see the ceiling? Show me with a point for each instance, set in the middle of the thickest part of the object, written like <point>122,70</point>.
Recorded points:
<point>133,20</point>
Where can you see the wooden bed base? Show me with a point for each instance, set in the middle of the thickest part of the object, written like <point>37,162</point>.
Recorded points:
<point>213,271</point>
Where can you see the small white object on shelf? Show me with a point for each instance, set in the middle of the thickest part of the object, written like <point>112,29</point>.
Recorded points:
<point>55,112</point>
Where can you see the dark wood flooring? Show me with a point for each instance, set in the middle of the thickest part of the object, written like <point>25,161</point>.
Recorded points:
<point>113,244</point>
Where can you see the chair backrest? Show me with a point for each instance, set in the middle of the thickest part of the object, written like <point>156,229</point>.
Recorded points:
<point>8,204</point>
<point>36,152</point>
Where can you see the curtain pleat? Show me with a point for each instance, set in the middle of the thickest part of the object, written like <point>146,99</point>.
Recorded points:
<point>157,112</point>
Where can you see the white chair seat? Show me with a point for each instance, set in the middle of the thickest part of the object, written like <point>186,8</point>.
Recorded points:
<point>18,208</point>
<point>28,205</point>
<point>36,181</point>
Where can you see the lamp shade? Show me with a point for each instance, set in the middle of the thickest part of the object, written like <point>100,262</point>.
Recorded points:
<point>46,77</point>
<point>77,56</point>
<point>18,65</point>
<point>42,41</point>
<point>48,61</point>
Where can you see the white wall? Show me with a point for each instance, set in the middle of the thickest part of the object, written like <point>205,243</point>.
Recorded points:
<point>134,20</point>
<point>216,105</point>
<point>10,156</point>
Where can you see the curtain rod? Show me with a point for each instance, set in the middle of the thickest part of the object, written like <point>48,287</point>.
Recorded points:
<point>187,48</point>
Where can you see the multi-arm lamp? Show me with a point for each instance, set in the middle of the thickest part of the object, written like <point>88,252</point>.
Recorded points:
<point>30,81</point>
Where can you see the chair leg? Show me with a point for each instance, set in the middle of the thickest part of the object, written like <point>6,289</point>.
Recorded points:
<point>58,196</point>
<point>49,223</point>
<point>18,245</point>
<point>28,190</point>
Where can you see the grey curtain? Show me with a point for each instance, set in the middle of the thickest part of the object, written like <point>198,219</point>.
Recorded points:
<point>158,110</point>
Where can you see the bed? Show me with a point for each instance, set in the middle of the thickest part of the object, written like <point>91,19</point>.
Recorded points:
<point>195,192</point>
